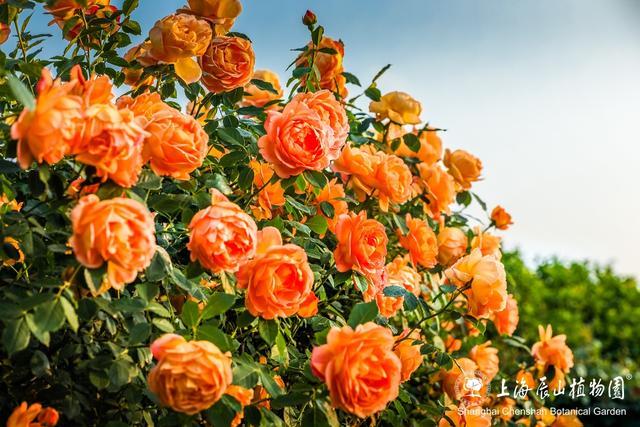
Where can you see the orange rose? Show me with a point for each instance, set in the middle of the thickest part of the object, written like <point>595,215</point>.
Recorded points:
<point>393,181</point>
<point>221,13</point>
<point>486,358</point>
<point>95,90</point>
<point>359,367</point>
<point>112,143</point>
<point>297,139</point>
<point>506,321</point>
<point>388,306</point>
<point>5,31</point>
<point>408,353</point>
<point>399,107</point>
<point>452,244</point>
<point>420,241</point>
<point>140,53</point>
<point>279,281</point>
<point>400,273</point>
<point>190,375</point>
<point>222,236</point>
<point>466,416</point>
<point>362,244</point>
<point>487,243</point>
<point>271,195</point>
<point>11,205</point>
<point>357,166</point>
<point>244,396</point>
<point>329,65</point>
<point>17,256</point>
<point>47,132</point>
<point>332,193</point>
<point>552,351</point>
<point>430,144</point>
<point>176,144</point>
<point>257,97</point>
<point>176,39</point>
<point>451,379</point>
<point>117,231</point>
<point>24,415</point>
<point>463,167</point>
<point>500,218</point>
<point>487,292</point>
<point>452,344</point>
<point>567,421</point>
<point>525,377</point>
<point>65,10</point>
<point>439,187</point>
<point>227,64</point>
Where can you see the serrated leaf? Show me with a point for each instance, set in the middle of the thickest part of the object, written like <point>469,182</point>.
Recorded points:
<point>217,304</point>
<point>362,312</point>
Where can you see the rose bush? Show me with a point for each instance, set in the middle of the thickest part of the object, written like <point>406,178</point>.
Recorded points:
<point>272,255</point>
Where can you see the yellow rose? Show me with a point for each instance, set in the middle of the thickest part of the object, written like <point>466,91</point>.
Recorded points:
<point>399,107</point>
<point>463,167</point>
<point>222,13</point>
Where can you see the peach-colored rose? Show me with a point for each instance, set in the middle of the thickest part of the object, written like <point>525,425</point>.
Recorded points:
<point>332,113</point>
<point>227,64</point>
<point>463,167</point>
<point>408,353</point>
<point>501,218</point>
<point>46,133</point>
<point>244,396</point>
<point>486,357</point>
<point>452,244</point>
<point>357,166</point>
<point>393,181</point>
<point>439,187</point>
<point>399,107</point>
<point>112,143</point>
<point>467,416</point>
<point>221,13</point>
<point>176,39</point>
<point>33,415</point>
<point>329,65</point>
<point>117,231</point>
<point>359,367</point>
<point>271,195</point>
<point>222,236</point>
<point>552,351</point>
<point>506,321</point>
<point>487,292</point>
<point>420,241</point>
<point>362,244</point>
<point>400,273</point>
<point>190,375</point>
<point>257,97</point>
<point>279,281</point>
<point>488,243</point>
<point>430,144</point>
<point>176,144</point>
<point>296,139</point>
<point>332,193</point>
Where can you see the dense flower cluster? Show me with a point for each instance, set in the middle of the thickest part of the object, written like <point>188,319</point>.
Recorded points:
<point>260,251</point>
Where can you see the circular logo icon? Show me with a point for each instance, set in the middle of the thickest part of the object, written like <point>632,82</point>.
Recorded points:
<point>472,384</point>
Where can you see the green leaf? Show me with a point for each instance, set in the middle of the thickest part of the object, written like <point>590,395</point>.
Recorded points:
<point>163,324</point>
<point>318,224</point>
<point>394,291</point>
<point>316,178</point>
<point>128,6</point>
<point>261,84</point>
<point>223,411</point>
<point>410,301</point>
<point>273,388</point>
<point>463,198</point>
<point>411,140</point>
<point>289,399</point>
<point>147,291</point>
<point>373,93</point>
<point>233,158</point>
<point>268,330</point>
<point>190,314</point>
<point>119,373</point>
<point>213,334</point>
<point>362,312</point>
<point>139,333</point>
<point>246,375</point>
<point>70,313</point>
<point>49,316</point>
<point>15,336</point>
<point>219,182</point>
<point>361,282</point>
<point>351,78</point>
<point>160,266</point>
<point>217,304</point>
<point>21,92</point>
<point>380,73</point>
<point>327,209</point>
<point>447,289</point>
<point>40,365</point>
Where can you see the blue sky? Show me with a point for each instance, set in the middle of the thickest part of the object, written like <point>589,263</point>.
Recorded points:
<point>545,92</point>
